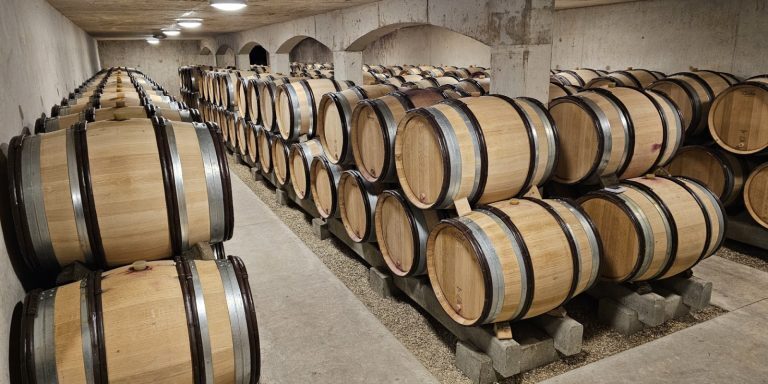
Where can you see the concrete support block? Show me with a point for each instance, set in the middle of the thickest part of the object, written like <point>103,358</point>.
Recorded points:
<point>674,307</point>
<point>696,293</point>
<point>566,332</point>
<point>280,63</point>
<point>381,283</point>
<point>256,173</point>
<point>650,307</point>
<point>521,70</point>
<point>475,365</point>
<point>537,353</point>
<point>320,228</point>
<point>618,317</point>
<point>282,197</point>
<point>348,66</point>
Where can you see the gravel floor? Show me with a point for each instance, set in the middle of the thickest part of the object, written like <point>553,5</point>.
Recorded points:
<point>744,254</point>
<point>427,339</point>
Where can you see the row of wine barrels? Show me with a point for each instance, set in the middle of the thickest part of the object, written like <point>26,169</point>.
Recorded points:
<point>374,125</point>
<point>577,77</point>
<point>724,174</point>
<point>654,227</point>
<point>436,82</point>
<point>512,260</point>
<point>485,149</point>
<point>300,158</point>
<point>64,185</point>
<point>268,101</point>
<point>50,124</point>
<point>692,93</point>
<point>297,104</point>
<point>335,118</point>
<point>738,117</point>
<point>357,204</point>
<point>559,90</point>
<point>618,131</point>
<point>163,322</point>
<point>756,194</point>
<point>637,78</point>
<point>398,81</point>
<point>402,231</point>
<point>325,177</point>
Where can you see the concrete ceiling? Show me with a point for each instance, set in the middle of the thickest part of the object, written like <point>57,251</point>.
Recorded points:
<point>141,18</point>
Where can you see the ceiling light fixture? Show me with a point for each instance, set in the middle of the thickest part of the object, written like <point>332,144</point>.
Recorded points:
<point>153,40</point>
<point>189,23</point>
<point>171,32</point>
<point>228,5</point>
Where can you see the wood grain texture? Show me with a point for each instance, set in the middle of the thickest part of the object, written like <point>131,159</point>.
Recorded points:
<point>739,115</point>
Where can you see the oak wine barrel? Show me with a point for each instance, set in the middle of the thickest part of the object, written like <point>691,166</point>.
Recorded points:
<point>621,130</point>
<point>654,227</point>
<point>485,148</point>
<point>241,128</point>
<point>739,116</point>
<point>577,77</point>
<point>268,99</point>
<point>297,104</point>
<point>129,201</point>
<point>50,124</point>
<point>756,195</point>
<point>280,164</point>
<point>251,135</point>
<point>512,260</point>
<point>723,173</point>
<point>402,231</point>
<point>300,159</point>
<point>180,321</point>
<point>692,93</point>
<point>357,204</point>
<point>324,177</point>
<point>264,140</point>
<point>335,115</point>
<point>374,125</point>
<point>559,90</point>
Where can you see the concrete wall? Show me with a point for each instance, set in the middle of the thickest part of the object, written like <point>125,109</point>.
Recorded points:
<point>160,62</point>
<point>311,51</point>
<point>427,45</point>
<point>43,56</point>
<point>665,35</point>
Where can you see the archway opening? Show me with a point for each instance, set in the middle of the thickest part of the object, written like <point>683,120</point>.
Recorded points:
<point>310,50</point>
<point>258,56</point>
<point>225,57</point>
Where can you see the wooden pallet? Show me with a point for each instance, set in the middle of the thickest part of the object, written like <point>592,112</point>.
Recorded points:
<point>742,228</point>
<point>629,308</point>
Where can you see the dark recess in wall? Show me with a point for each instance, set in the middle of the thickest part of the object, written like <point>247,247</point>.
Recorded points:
<point>259,56</point>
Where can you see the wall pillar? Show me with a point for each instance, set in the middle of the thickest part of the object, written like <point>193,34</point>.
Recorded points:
<point>348,66</point>
<point>521,49</point>
<point>280,63</point>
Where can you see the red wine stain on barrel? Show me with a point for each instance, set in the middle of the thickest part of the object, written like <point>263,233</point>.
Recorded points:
<point>655,147</point>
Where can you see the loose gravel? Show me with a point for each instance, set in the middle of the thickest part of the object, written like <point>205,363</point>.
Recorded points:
<point>744,254</point>
<point>429,341</point>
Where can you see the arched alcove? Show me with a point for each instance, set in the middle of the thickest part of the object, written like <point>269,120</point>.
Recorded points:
<point>205,56</point>
<point>309,50</point>
<point>254,54</point>
<point>225,56</point>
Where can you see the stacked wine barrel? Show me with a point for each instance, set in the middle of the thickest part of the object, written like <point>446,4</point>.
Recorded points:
<point>113,196</point>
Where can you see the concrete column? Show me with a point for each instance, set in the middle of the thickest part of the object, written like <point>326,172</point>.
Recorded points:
<point>280,62</point>
<point>521,47</point>
<point>348,66</point>
<point>243,62</point>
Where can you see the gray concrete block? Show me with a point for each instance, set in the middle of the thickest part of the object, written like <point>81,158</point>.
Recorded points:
<point>256,173</point>
<point>566,332</point>
<point>674,307</point>
<point>696,293</point>
<point>650,307</point>
<point>536,353</point>
<point>475,365</point>
<point>282,197</point>
<point>320,228</point>
<point>618,317</point>
<point>382,283</point>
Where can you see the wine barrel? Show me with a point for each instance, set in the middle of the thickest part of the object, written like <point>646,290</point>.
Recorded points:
<point>264,140</point>
<point>721,172</point>
<point>607,82</point>
<point>638,78</point>
<point>300,158</point>
<point>755,197</point>
<point>654,227</point>
<point>267,101</point>
<point>324,177</point>
<point>357,204</point>
<point>606,131</point>
<point>692,93</point>
<point>402,231</point>
<point>241,127</point>
<point>577,77</point>
<point>474,87</point>
<point>251,134</point>
<point>230,124</point>
<point>242,104</point>
<point>436,82</point>
<point>297,104</point>
<point>44,124</point>
<point>374,124</point>
<point>472,148</point>
<point>558,90</point>
<point>334,118</point>
<point>512,260</point>
<point>739,115</point>
<point>104,221</point>
<point>107,327</point>
<point>280,164</point>
<point>228,90</point>
<point>252,100</point>
<point>398,81</point>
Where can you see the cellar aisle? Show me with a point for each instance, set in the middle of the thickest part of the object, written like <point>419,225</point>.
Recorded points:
<point>312,328</point>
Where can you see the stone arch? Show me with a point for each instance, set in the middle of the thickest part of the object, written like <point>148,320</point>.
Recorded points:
<point>225,56</point>
<point>310,50</point>
<point>205,51</point>
<point>252,53</point>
